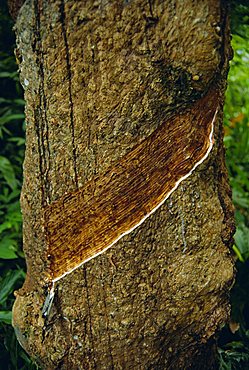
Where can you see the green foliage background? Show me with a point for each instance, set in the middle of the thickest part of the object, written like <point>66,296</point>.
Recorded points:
<point>12,126</point>
<point>234,348</point>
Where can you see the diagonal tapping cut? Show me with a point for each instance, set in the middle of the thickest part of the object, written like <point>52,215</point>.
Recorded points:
<point>81,225</point>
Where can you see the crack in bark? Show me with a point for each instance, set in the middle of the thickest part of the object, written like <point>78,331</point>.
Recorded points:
<point>151,10</point>
<point>69,74</point>
<point>36,111</point>
<point>107,322</point>
<point>229,230</point>
<point>223,27</point>
<point>90,317</point>
<point>41,121</point>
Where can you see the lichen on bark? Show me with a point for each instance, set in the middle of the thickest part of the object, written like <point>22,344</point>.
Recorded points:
<point>99,78</point>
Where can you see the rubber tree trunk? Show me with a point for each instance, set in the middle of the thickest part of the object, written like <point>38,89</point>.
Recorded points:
<point>105,80</point>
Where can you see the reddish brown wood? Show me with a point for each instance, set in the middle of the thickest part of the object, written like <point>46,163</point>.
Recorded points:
<point>84,223</point>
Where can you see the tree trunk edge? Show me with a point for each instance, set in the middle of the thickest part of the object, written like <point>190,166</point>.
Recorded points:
<point>202,359</point>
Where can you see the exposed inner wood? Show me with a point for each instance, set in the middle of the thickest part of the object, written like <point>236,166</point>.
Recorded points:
<point>84,223</point>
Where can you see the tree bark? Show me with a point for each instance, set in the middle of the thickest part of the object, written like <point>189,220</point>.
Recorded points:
<point>101,78</point>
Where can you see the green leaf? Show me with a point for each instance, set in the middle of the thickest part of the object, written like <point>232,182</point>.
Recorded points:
<point>8,248</point>
<point>5,226</point>
<point>238,254</point>
<point>3,100</point>
<point>11,117</point>
<point>8,196</point>
<point>14,216</point>
<point>6,74</point>
<point>8,282</point>
<point>6,317</point>
<point>240,198</point>
<point>19,102</point>
<point>8,172</point>
<point>18,140</point>
<point>241,239</point>
<point>4,130</point>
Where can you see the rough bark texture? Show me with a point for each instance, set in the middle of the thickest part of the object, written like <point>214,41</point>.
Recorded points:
<point>100,77</point>
<point>86,222</point>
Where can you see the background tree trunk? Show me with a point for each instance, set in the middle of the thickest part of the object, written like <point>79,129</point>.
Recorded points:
<point>99,77</point>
